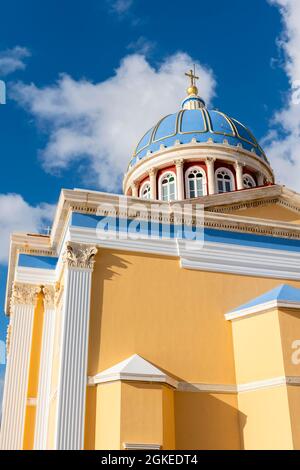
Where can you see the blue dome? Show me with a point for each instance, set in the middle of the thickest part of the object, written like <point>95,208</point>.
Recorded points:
<point>199,124</point>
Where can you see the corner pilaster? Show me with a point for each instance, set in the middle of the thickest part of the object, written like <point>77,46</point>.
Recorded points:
<point>79,263</point>
<point>23,302</point>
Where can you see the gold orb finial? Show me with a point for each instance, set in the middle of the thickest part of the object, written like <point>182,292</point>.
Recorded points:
<point>192,89</point>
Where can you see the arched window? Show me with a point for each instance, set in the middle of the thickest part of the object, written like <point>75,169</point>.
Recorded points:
<point>249,182</point>
<point>145,191</point>
<point>225,181</point>
<point>195,181</point>
<point>167,186</point>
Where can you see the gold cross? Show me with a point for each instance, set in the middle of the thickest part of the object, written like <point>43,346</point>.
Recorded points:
<point>192,76</point>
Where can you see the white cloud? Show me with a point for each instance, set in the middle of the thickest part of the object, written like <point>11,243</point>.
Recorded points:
<point>102,123</point>
<point>120,6</point>
<point>13,59</point>
<point>283,140</point>
<point>141,46</point>
<point>16,215</point>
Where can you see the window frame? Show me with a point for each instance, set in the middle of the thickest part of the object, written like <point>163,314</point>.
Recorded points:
<point>232,179</point>
<point>247,175</point>
<point>142,188</point>
<point>204,181</point>
<point>160,192</point>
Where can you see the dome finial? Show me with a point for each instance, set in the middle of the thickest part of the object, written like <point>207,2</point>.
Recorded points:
<point>192,89</point>
<point>192,101</point>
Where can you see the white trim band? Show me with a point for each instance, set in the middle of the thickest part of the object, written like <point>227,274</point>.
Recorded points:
<point>208,388</point>
<point>261,308</point>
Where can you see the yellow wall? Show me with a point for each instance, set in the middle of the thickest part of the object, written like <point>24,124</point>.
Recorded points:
<point>257,346</point>
<point>142,413</point>
<point>267,423</point>
<point>294,404</point>
<point>108,416</point>
<point>172,317</point>
<point>207,421</point>
<point>263,350</point>
<point>289,321</point>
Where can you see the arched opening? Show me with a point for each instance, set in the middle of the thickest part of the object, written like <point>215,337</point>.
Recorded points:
<point>195,183</point>
<point>224,180</point>
<point>145,191</point>
<point>248,181</point>
<point>167,186</point>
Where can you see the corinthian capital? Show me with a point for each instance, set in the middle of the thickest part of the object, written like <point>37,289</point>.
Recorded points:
<point>179,162</point>
<point>24,294</point>
<point>49,296</point>
<point>80,256</point>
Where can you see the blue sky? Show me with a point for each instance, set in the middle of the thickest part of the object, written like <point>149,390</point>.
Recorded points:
<point>86,79</point>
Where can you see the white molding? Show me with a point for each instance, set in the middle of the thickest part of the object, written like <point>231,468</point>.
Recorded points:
<point>226,388</point>
<point>206,388</point>
<point>35,275</point>
<point>274,304</point>
<point>98,379</point>
<point>132,446</point>
<point>243,260</point>
<point>262,384</point>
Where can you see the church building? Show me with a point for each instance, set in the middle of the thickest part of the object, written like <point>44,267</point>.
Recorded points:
<point>167,317</point>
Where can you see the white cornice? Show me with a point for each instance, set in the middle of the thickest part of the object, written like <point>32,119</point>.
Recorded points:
<point>35,276</point>
<point>264,307</point>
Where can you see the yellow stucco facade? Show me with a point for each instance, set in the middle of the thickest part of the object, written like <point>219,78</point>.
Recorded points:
<point>172,359</point>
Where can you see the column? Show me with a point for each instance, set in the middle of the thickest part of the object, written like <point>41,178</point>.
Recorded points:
<point>210,165</point>
<point>79,262</point>
<point>44,389</point>
<point>134,189</point>
<point>17,370</point>
<point>180,179</point>
<point>152,178</point>
<point>260,179</point>
<point>239,175</point>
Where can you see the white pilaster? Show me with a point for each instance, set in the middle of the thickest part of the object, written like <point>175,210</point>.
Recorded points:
<point>239,175</point>
<point>152,178</point>
<point>17,369</point>
<point>44,390</point>
<point>79,261</point>
<point>210,165</point>
<point>260,179</point>
<point>180,179</point>
<point>134,189</point>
